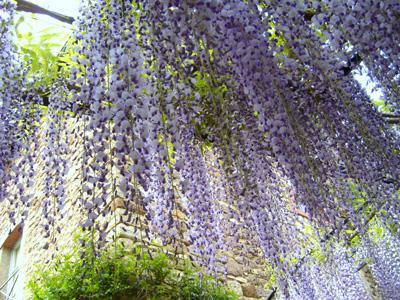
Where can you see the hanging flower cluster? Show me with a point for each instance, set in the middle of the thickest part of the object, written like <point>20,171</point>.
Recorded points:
<point>266,86</point>
<point>53,154</point>
<point>19,116</point>
<point>8,71</point>
<point>383,260</point>
<point>335,278</point>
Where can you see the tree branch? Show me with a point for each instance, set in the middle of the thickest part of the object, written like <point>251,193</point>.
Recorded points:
<point>386,115</point>
<point>391,118</point>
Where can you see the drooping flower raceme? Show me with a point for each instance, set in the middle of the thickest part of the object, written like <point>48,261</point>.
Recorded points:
<point>19,119</point>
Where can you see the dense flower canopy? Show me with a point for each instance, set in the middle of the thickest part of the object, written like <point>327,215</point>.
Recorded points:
<point>264,87</point>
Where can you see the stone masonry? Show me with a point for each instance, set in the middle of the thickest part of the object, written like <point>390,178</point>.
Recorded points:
<point>244,274</point>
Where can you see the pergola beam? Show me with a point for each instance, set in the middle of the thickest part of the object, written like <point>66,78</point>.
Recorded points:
<point>27,6</point>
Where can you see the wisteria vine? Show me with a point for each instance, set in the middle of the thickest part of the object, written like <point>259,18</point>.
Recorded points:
<point>265,88</point>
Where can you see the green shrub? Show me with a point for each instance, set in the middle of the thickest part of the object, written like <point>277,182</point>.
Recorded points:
<point>119,274</point>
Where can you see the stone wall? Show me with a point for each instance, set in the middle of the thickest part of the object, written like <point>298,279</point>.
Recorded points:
<point>36,248</point>
<point>244,274</point>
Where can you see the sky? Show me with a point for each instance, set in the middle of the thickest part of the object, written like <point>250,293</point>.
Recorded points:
<point>371,87</point>
<point>65,7</point>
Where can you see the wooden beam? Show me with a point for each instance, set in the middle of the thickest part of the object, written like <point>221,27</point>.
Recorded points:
<point>13,237</point>
<point>26,6</point>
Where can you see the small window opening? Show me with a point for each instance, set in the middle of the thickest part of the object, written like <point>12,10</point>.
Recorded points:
<point>10,266</point>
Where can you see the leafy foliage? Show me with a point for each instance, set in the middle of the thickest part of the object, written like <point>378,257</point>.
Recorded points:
<point>121,274</point>
<point>43,52</point>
